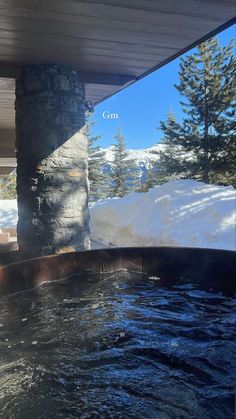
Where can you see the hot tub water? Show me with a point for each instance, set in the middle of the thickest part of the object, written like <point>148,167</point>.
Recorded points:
<point>121,347</point>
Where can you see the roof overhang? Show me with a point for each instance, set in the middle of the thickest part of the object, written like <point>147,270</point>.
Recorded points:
<point>112,43</point>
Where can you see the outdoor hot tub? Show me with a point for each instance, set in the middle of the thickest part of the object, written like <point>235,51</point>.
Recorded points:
<point>119,333</point>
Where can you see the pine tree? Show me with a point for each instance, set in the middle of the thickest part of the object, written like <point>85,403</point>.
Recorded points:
<point>174,161</point>
<point>203,147</point>
<point>96,159</point>
<point>151,176</point>
<point>167,162</point>
<point>124,173</point>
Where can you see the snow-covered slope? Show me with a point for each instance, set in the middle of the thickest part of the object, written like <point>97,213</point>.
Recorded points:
<point>141,155</point>
<point>8,213</point>
<point>178,213</point>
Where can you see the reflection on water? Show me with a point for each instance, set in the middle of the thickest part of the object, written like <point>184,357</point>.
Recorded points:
<point>117,348</point>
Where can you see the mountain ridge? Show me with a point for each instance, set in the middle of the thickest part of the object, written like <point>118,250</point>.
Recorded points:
<point>140,155</point>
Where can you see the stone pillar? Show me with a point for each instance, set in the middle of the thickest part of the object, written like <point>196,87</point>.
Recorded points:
<point>52,167</point>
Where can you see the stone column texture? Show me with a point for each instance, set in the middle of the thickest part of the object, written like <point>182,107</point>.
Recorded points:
<point>52,164</point>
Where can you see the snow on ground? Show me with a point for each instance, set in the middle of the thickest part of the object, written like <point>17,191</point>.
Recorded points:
<point>8,213</point>
<point>178,213</point>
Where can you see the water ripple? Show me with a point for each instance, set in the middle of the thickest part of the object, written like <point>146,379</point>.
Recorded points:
<point>117,348</point>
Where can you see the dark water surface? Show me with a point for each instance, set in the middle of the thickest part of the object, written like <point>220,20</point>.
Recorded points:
<point>118,348</point>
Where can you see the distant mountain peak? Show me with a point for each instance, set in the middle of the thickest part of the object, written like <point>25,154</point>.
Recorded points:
<point>141,155</point>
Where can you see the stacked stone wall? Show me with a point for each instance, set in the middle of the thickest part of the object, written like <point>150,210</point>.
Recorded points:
<point>52,166</point>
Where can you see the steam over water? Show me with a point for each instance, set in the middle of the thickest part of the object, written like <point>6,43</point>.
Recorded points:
<point>121,347</point>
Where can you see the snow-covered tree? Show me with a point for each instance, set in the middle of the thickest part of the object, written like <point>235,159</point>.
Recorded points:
<point>203,146</point>
<point>151,176</point>
<point>124,172</point>
<point>173,160</point>
<point>96,157</point>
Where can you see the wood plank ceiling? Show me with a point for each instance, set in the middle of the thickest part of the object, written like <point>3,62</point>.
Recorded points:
<point>111,42</point>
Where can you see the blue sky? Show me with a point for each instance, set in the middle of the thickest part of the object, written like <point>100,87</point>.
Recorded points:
<point>142,105</point>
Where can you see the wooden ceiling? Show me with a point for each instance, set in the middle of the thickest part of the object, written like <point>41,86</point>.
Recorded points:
<point>111,42</point>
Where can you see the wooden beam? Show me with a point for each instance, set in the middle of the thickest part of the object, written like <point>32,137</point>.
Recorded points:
<point>6,145</point>
<point>107,79</point>
<point>10,71</point>
<point>6,170</point>
<point>8,162</point>
<point>111,43</point>
<point>7,134</point>
<point>6,152</point>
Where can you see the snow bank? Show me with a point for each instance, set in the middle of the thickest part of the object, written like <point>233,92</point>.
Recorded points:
<point>8,213</point>
<point>178,213</point>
